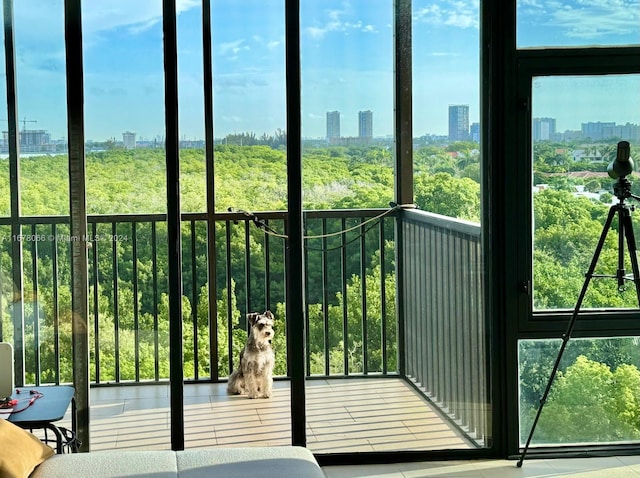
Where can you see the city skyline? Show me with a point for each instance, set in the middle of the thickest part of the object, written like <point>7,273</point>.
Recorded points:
<point>346,56</point>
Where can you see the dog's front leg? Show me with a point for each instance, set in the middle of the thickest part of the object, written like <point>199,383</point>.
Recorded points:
<point>250,385</point>
<point>267,385</point>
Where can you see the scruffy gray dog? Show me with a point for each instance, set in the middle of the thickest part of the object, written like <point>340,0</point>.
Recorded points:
<point>254,375</point>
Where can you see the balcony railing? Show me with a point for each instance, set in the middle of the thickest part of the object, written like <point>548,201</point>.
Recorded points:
<point>350,284</point>
<point>444,320</point>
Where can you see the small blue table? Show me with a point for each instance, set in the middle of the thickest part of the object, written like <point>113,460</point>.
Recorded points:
<point>48,408</point>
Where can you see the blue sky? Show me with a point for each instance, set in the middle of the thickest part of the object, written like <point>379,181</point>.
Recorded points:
<point>347,64</point>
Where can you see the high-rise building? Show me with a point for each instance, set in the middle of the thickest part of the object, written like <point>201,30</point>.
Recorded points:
<point>365,124</point>
<point>458,122</point>
<point>474,132</point>
<point>544,129</point>
<point>333,125</point>
<point>129,140</point>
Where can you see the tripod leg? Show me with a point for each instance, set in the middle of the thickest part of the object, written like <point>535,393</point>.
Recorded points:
<point>631,246</point>
<point>570,327</point>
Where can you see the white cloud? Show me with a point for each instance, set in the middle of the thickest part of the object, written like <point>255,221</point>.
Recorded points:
<point>232,48</point>
<point>335,22</point>
<point>583,19</point>
<point>454,13</point>
<point>596,18</point>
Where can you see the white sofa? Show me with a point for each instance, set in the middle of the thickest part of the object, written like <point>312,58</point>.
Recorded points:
<point>263,462</point>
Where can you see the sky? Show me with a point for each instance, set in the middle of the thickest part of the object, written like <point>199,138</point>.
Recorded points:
<point>346,57</point>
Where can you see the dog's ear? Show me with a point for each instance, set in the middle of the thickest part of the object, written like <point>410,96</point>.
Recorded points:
<point>269,314</point>
<point>252,318</point>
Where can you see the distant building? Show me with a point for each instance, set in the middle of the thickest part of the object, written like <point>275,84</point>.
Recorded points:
<point>333,125</point>
<point>31,141</point>
<point>544,129</point>
<point>596,131</point>
<point>129,140</point>
<point>365,125</point>
<point>458,122</point>
<point>474,131</point>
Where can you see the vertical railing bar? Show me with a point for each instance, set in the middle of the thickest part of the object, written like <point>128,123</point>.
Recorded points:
<point>116,314</point>
<point>154,279</point>
<point>456,320</point>
<point>474,396</point>
<point>466,393</point>
<point>35,304</point>
<point>96,297</point>
<point>475,340</point>
<point>363,298</point>
<point>194,300</point>
<point>325,295</point>
<point>465,290</point>
<point>449,361</point>
<point>417,312</point>
<point>383,298</point>
<point>442,324</point>
<point>444,327</point>
<point>445,270</point>
<point>56,300</point>
<point>426,338</point>
<point>481,379</point>
<point>229,294</point>
<point>305,271</point>
<point>285,227</point>
<point>434,351</point>
<point>247,267</point>
<point>136,305</point>
<point>425,281</point>
<point>345,318</point>
<point>406,355</point>
<point>267,268</point>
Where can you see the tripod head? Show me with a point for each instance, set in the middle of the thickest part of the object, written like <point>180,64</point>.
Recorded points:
<point>619,169</point>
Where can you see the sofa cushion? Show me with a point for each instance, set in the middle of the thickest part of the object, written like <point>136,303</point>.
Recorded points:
<point>265,462</point>
<point>21,451</point>
<point>108,464</point>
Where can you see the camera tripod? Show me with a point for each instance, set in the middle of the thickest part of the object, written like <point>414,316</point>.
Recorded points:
<point>622,190</point>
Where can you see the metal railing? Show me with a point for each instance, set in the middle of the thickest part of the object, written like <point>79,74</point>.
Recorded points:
<point>444,322</point>
<point>128,288</point>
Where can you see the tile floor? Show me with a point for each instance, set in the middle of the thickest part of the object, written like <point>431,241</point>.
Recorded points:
<point>342,415</point>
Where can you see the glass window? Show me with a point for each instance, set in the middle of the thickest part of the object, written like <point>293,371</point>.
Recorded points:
<point>575,23</point>
<point>577,122</point>
<point>594,397</point>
